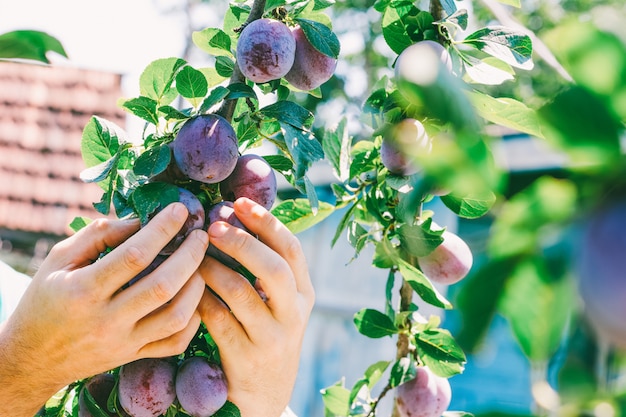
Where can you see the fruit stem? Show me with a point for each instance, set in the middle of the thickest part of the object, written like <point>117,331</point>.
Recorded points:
<point>227,110</point>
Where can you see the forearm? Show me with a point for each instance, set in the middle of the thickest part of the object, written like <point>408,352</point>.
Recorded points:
<point>23,387</point>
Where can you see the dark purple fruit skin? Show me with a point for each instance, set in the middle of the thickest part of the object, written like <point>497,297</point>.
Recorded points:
<point>172,173</point>
<point>201,387</point>
<point>146,386</point>
<point>195,220</point>
<point>206,148</point>
<point>311,68</point>
<point>602,272</point>
<point>265,50</point>
<point>224,212</point>
<point>253,178</point>
<point>100,387</point>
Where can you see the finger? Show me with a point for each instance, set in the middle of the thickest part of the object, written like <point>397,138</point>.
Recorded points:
<point>161,285</point>
<point>268,266</point>
<point>172,345</point>
<point>136,253</point>
<point>225,329</point>
<point>174,316</point>
<point>84,247</point>
<point>276,236</point>
<point>237,292</point>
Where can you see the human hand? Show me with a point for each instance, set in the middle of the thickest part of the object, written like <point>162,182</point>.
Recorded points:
<point>259,342</point>
<point>73,321</point>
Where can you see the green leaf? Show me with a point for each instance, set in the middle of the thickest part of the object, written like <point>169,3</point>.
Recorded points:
<point>143,107</point>
<point>92,405</point>
<point>488,71</point>
<point>153,161</point>
<point>228,410</point>
<point>303,147</point>
<point>224,66</point>
<point>297,214</point>
<point>213,41</point>
<point>29,44</point>
<point>99,172</point>
<point>459,18</point>
<point>514,3</point>
<point>343,223</point>
<point>372,375</point>
<point>374,324</point>
<point>336,144</point>
<point>321,37</point>
<point>552,296</point>
<point>217,94</point>
<point>274,4</point>
<point>191,84</point>
<point>156,80</point>
<point>439,346</point>
<point>79,222</point>
<point>240,90</point>
<point>419,239</point>
<point>288,112</point>
<point>448,6</point>
<point>513,47</point>
<point>591,139</point>
<point>100,141</point>
<point>470,206</point>
<point>336,400</point>
<point>403,370</point>
<point>364,155</point>
<point>279,162</point>
<point>172,113</point>
<point>147,198</point>
<point>398,30</point>
<point>212,77</point>
<point>506,112</point>
<point>422,285</point>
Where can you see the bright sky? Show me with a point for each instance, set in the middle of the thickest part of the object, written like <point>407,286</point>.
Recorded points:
<point>114,35</point>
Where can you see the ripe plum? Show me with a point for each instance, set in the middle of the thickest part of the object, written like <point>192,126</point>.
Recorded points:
<point>428,395</point>
<point>146,386</point>
<point>311,68</point>
<point>420,62</point>
<point>450,262</point>
<point>206,148</point>
<point>100,387</point>
<point>200,387</point>
<point>405,139</point>
<point>253,178</point>
<point>265,50</point>
<point>600,267</point>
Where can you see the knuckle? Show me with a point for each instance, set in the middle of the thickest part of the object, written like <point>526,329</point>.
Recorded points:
<point>177,321</point>
<point>162,291</point>
<point>243,293</point>
<point>135,259</point>
<point>293,249</point>
<point>99,225</point>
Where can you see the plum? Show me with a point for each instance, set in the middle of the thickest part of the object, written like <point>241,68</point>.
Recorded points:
<point>311,68</point>
<point>601,270</point>
<point>427,395</point>
<point>100,387</point>
<point>206,148</point>
<point>253,178</point>
<point>146,386</point>
<point>450,262</point>
<point>404,140</point>
<point>223,211</point>
<point>200,387</point>
<point>265,50</point>
<point>420,62</point>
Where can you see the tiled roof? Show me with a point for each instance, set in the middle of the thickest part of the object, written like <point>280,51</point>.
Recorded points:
<point>43,110</point>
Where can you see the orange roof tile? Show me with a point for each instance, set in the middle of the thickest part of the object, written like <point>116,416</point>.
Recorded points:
<point>43,110</point>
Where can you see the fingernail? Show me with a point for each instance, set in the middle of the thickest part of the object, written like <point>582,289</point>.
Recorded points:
<point>179,211</point>
<point>245,205</point>
<point>217,229</point>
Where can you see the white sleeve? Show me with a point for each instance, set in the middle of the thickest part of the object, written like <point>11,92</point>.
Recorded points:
<point>12,286</point>
<point>288,413</point>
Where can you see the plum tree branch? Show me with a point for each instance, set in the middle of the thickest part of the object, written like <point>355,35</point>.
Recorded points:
<point>227,109</point>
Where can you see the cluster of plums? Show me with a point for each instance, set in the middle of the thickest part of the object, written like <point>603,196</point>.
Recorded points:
<point>148,387</point>
<point>268,50</point>
<point>205,150</point>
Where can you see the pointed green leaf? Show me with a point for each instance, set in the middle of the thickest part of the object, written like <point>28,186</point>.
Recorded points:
<point>101,141</point>
<point>191,83</point>
<point>142,107</point>
<point>147,198</point>
<point>153,161</point>
<point>213,41</point>
<point>422,285</point>
<point>513,47</point>
<point>79,222</point>
<point>419,239</point>
<point>337,143</point>
<point>374,324</point>
<point>156,80</point>
<point>321,37</point>
<point>297,214</point>
<point>398,30</point>
<point>29,44</point>
<point>288,112</point>
<point>470,206</point>
<point>224,66</point>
